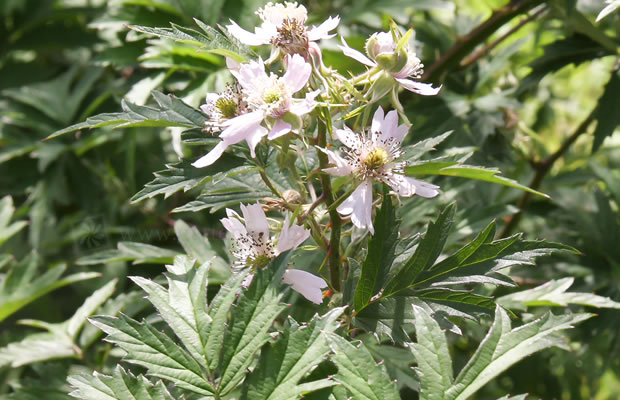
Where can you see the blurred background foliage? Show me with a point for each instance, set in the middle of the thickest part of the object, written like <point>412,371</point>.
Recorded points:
<point>530,87</point>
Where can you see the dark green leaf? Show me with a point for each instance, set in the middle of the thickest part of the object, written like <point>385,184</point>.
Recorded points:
<point>381,247</point>
<point>428,250</point>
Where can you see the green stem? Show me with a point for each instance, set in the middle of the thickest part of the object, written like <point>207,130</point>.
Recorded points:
<point>542,168</point>
<point>336,224</point>
<point>270,185</point>
<point>466,44</point>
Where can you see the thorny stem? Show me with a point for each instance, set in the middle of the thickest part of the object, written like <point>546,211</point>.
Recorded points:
<point>542,168</point>
<point>465,44</point>
<point>335,222</point>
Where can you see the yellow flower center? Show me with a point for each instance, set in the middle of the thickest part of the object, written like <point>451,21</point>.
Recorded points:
<point>260,261</point>
<point>376,157</point>
<point>271,95</point>
<point>226,106</point>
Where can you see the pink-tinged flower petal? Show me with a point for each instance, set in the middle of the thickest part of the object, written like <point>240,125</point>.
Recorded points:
<point>279,128</point>
<point>291,236</point>
<point>348,137</point>
<point>254,138</point>
<point>241,127</point>
<point>255,219</point>
<point>304,106</point>
<point>232,224</point>
<point>297,73</point>
<point>251,75</point>
<point>322,31</point>
<point>306,284</point>
<point>341,168</point>
<point>377,120</point>
<point>249,38</point>
<point>425,89</point>
<point>359,206</point>
<point>356,55</point>
<point>211,156</point>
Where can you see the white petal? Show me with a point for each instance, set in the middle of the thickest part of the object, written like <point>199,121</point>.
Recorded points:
<point>211,156</point>
<point>297,72</point>
<point>377,120</point>
<point>341,168</point>
<point>291,236</point>
<point>348,137</point>
<point>424,189</point>
<point>304,106</point>
<point>306,284</point>
<point>322,31</point>
<point>233,225</point>
<point>241,127</point>
<point>255,138</point>
<point>279,128</point>
<point>255,219</point>
<point>407,187</point>
<point>245,283</point>
<point>359,206</point>
<point>356,55</point>
<point>233,66</point>
<point>244,36</point>
<point>389,126</point>
<point>425,89</point>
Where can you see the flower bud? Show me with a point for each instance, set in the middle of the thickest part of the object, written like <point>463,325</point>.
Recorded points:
<point>381,42</point>
<point>392,62</point>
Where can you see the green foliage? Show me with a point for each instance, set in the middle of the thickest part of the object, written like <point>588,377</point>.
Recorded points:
<point>359,373</point>
<point>120,385</point>
<point>502,347</point>
<point>21,285</point>
<point>60,339</point>
<point>97,97</point>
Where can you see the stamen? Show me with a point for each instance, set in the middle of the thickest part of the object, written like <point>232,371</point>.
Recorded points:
<point>292,37</point>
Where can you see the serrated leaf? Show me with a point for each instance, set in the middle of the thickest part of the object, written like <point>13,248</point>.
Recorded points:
<point>428,250</point>
<point>456,298</point>
<point>219,314</point>
<point>454,168</point>
<point>358,372</point>
<point>554,294</point>
<point>297,351</point>
<point>197,246</point>
<point>381,248</point>
<point>250,320</point>
<point>152,349</point>
<point>241,186</point>
<point>170,111</point>
<point>184,176</point>
<point>211,40</point>
<point>502,347</point>
<point>183,305</point>
<point>431,352</point>
<point>121,385</point>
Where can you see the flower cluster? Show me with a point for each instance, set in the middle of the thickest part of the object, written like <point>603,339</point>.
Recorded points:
<point>299,96</point>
